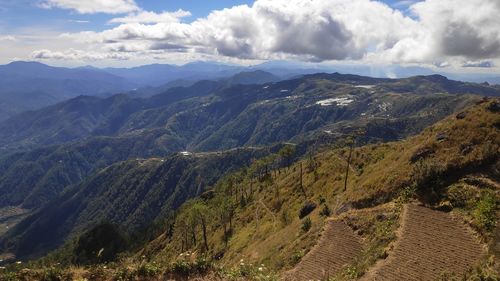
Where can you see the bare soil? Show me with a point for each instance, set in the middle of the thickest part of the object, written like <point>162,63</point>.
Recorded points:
<point>429,244</point>
<point>337,247</point>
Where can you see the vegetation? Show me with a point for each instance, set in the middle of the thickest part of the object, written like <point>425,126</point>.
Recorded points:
<point>260,215</point>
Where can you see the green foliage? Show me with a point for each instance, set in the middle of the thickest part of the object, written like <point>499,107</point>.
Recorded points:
<point>248,271</point>
<point>101,244</point>
<point>484,213</point>
<point>56,274</point>
<point>97,272</point>
<point>148,269</point>
<point>461,195</point>
<point>296,257</point>
<point>306,224</point>
<point>408,194</point>
<point>285,217</point>
<point>185,267</point>
<point>124,274</point>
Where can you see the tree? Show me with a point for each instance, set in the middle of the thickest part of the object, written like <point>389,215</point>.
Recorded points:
<point>225,208</point>
<point>201,213</point>
<point>287,153</point>
<point>350,142</point>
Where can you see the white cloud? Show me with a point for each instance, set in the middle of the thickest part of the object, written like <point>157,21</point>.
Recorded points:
<point>468,28</point>
<point>8,38</point>
<point>438,32</point>
<point>92,6</point>
<point>152,17</point>
<point>76,55</point>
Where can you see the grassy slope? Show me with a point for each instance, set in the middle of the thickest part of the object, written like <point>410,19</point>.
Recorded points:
<point>268,230</point>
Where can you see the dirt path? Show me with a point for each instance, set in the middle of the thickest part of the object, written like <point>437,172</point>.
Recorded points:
<point>337,247</point>
<point>429,243</point>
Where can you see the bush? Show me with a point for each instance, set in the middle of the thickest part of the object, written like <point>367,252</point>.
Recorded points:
<point>124,274</point>
<point>461,195</point>
<point>297,257</point>
<point>101,244</point>
<point>306,209</point>
<point>484,213</point>
<point>326,212</point>
<point>56,274</point>
<point>306,224</point>
<point>181,267</point>
<point>147,269</point>
<point>408,193</point>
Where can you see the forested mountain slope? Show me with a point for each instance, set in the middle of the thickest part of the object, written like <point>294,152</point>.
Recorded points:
<point>317,103</point>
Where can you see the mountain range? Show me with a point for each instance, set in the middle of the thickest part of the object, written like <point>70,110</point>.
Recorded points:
<point>33,85</point>
<point>65,149</point>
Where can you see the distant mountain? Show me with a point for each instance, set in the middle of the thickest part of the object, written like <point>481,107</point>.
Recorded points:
<point>159,74</point>
<point>252,77</point>
<point>242,78</point>
<point>214,115</point>
<point>31,85</point>
<point>61,145</point>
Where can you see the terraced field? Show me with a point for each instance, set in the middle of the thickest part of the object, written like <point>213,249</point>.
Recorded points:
<point>338,246</point>
<point>430,243</point>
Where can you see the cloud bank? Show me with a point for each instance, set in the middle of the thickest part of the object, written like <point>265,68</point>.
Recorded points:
<point>437,32</point>
<point>92,6</point>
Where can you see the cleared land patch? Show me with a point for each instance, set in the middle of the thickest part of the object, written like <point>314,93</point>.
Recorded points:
<point>338,247</point>
<point>430,243</point>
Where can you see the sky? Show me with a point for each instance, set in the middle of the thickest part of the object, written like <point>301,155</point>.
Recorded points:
<point>452,35</point>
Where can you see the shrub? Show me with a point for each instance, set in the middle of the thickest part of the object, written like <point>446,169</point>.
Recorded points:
<point>148,269</point>
<point>285,217</point>
<point>461,195</point>
<point>408,193</point>
<point>306,209</point>
<point>124,274</point>
<point>326,212</point>
<point>306,224</point>
<point>96,273</point>
<point>484,212</point>
<point>56,274</point>
<point>103,243</point>
<point>181,267</point>
<point>295,259</point>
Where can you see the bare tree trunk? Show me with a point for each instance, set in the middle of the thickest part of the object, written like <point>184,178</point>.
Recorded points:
<point>204,229</point>
<point>301,181</point>
<point>193,235</point>
<point>348,166</point>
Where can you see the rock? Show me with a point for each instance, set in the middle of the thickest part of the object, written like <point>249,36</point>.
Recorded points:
<point>445,206</point>
<point>420,154</point>
<point>441,136</point>
<point>461,115</point>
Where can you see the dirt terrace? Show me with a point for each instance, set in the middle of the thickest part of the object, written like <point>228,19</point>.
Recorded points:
<point>429,244</point>
<point>338,246</point>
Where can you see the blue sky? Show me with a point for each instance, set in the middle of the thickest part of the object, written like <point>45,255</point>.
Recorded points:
<point>22,14</point>
<point>432,33</point>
